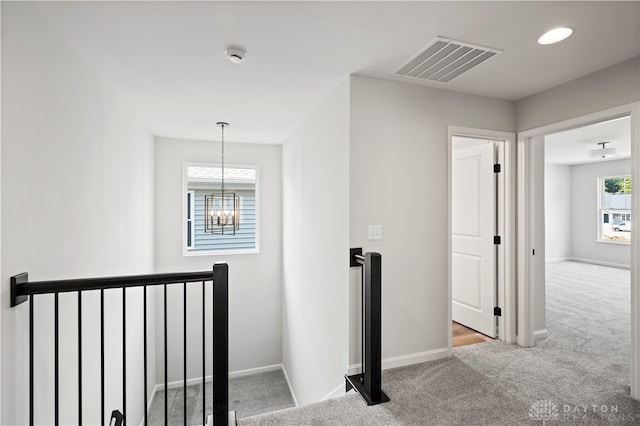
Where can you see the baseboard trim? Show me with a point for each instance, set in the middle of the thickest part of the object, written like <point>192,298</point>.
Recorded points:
<point>598,262</point>
<point>337,392</point>
<point>404,360</point>
<point>207,379</point>
<point>540,334</point>
<point>286,377</point>
<point>249,371</point>
<point>179,383</point>
<point>557,259</point>
<point>417,358</point>
<point>590,261</point>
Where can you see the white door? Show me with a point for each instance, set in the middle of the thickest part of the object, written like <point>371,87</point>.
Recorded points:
<point>473,219</point>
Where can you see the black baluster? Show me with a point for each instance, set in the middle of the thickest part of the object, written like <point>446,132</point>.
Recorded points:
<point>214,395</point>
<point>184,351</point>
<point>204,397</point>
<point>102,356</point>
<point>56,360</point>
<point>31,420</point>
<point>166,390</point>
<point>79,357</point>
<point>144,326</point>
<point>124,353</point>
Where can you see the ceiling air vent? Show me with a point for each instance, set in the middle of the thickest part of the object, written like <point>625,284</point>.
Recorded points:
<point>444,59</point>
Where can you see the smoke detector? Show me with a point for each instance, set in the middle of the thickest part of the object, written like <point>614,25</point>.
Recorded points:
<point>236,55</point>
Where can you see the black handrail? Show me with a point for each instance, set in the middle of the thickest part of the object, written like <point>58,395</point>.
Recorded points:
<point>21,287</point>
<point>23,290</point>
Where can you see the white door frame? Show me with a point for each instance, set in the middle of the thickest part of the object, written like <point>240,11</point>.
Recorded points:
<point>526,229</point>
<point>506,253</point>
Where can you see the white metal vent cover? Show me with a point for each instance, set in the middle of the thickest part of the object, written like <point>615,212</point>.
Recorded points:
<point>444,59</point>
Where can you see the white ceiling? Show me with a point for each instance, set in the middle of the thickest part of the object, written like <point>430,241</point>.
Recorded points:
<point>166,59</point>
<point>572,146</point>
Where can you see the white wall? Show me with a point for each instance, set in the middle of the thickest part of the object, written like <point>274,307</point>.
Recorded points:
<point>571,213</point>
<point>539,322</point>
<point>557,213</point>
<point>607,88</point>
<point>255,280</point>
<point>315,173</point>
<point>398,179</point>
<point>77,183</point>
<point>584,225</point>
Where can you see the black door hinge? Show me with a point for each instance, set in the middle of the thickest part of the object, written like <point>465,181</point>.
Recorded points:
<point>497,240</point>
<point>497,168</point>
<point>497,311</point>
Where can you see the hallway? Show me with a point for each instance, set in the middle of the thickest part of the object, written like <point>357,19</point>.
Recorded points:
<point>584,363</point>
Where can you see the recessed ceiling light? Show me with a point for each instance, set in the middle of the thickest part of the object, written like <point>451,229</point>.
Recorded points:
<point>555,35</point>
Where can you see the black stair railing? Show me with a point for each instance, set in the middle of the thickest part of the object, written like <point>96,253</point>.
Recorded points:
<point>368,384</point>
<point>22,290</point>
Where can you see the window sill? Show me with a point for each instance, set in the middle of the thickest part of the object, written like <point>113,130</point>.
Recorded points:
<point>189,253</point>
<point>624,243</point>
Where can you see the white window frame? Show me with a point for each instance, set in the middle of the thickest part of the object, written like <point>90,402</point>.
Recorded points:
<point>191,252</point>
<point>601,209</point>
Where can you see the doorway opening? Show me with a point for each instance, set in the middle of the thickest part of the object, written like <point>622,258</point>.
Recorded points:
<point>481,297</point>
<point>585,278</point>
<point>600,249</point>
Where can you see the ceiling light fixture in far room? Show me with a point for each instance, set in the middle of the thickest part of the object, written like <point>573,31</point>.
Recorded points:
<point>234,54</point>
<point>555,35</point>
<point>222,208</point>
<point>604,152</point>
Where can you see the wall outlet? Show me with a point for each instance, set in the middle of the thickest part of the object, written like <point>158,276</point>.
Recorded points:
<point>375,232</point>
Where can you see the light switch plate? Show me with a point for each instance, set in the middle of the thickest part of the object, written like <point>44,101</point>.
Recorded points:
<point>375,232</point>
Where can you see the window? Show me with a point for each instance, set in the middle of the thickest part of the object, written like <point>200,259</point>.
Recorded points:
<point>614,209</point>
<point>202,180</point>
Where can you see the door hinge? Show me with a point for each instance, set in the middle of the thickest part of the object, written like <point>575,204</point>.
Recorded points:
<point>497,168</point>
<point>497,311</point>
<point>497,240</point>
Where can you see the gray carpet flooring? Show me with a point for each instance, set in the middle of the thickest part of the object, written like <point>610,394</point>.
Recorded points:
<point>248,396</point>
<point>578,375</point>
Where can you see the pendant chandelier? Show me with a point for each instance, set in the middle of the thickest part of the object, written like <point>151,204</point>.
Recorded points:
<point>222,208</point>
